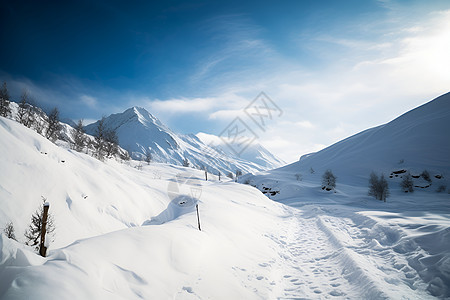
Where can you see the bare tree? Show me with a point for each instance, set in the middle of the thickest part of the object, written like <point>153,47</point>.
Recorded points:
<point>53,126</point>
<point>230,175</point>
<point>33,232</point>
<point>79,138</point>
<point>407,183</point>
<point>25,114</point>
<point>328,181</point>
<point>378,187</point>
<point>5,110</point>
<point>148,157</point>
<point>9,231</point>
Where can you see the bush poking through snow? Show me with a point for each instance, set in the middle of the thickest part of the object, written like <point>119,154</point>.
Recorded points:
<point>378,187</point>
<point>299,177</point>
<point>148,157</point>
<point>9,231</point>
<point>185,163</point>
<point>441,188</point>
<point>328,181</point>
<point>407,183</point>
<point>33,233</point>
<point>425,175</point>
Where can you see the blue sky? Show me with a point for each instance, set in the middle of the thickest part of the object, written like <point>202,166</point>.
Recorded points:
<point>333,67</point>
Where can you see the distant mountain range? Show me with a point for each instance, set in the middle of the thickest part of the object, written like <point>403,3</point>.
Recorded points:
<point>140,132</point>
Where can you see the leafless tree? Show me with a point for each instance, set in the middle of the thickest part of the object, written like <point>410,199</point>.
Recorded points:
<point>9,231</point>
<point>407,183</point>
<point>378,187</point>
<point>5,110</point>
<point>53,126</point>
<point>79,138</point>
<point>25,114</point>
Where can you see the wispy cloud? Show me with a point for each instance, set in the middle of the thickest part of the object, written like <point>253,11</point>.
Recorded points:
<point>89,101</point>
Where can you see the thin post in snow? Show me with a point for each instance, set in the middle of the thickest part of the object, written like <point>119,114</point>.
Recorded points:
<point>198,218</point>
<point>206,175</point>
<point>42,248</point>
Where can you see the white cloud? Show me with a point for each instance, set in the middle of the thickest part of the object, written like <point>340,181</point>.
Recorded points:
<point>89,101</point>
<point>183,105</point>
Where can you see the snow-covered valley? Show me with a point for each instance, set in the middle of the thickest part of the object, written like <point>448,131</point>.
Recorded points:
<point>124,232</point>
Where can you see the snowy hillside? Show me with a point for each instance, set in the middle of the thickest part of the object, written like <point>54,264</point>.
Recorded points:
<point>139,132</point>
<point>415,141</point>
<point>124,232</point>
<point>415,225</point>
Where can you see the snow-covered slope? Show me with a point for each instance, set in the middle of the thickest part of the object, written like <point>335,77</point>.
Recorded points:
<point>139,132</point>
<point>123,233</point>
<point>415,225</point>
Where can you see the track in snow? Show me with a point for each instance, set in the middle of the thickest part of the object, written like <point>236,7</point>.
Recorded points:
<point>332,257</point>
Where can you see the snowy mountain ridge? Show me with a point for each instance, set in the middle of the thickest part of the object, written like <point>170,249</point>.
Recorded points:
<point>140,132</point>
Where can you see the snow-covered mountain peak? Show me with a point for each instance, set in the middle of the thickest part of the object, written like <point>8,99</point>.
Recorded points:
<point>141,132</point>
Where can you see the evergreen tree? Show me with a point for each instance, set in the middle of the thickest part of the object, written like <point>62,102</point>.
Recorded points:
<point>111,143</point>
<point>99,142</point>
<point>5,110</point>
<point>328,181</point>
<point>33,232</point>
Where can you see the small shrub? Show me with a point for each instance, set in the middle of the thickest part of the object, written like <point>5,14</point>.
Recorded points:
<point>299,177</point>
<point>441,188</point>
<point>407,183</point>
<point>328,181</point>
<point>425,175</point>
<point>378,187</point>
<point>9,231</point>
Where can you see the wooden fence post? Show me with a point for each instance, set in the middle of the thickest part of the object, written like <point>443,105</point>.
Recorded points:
<point>42,248</point>
<point>198,218</point>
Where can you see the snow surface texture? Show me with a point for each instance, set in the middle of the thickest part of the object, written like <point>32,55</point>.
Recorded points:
<point>403,242</point>
<point>140,132</point>
<point>124,233</point>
